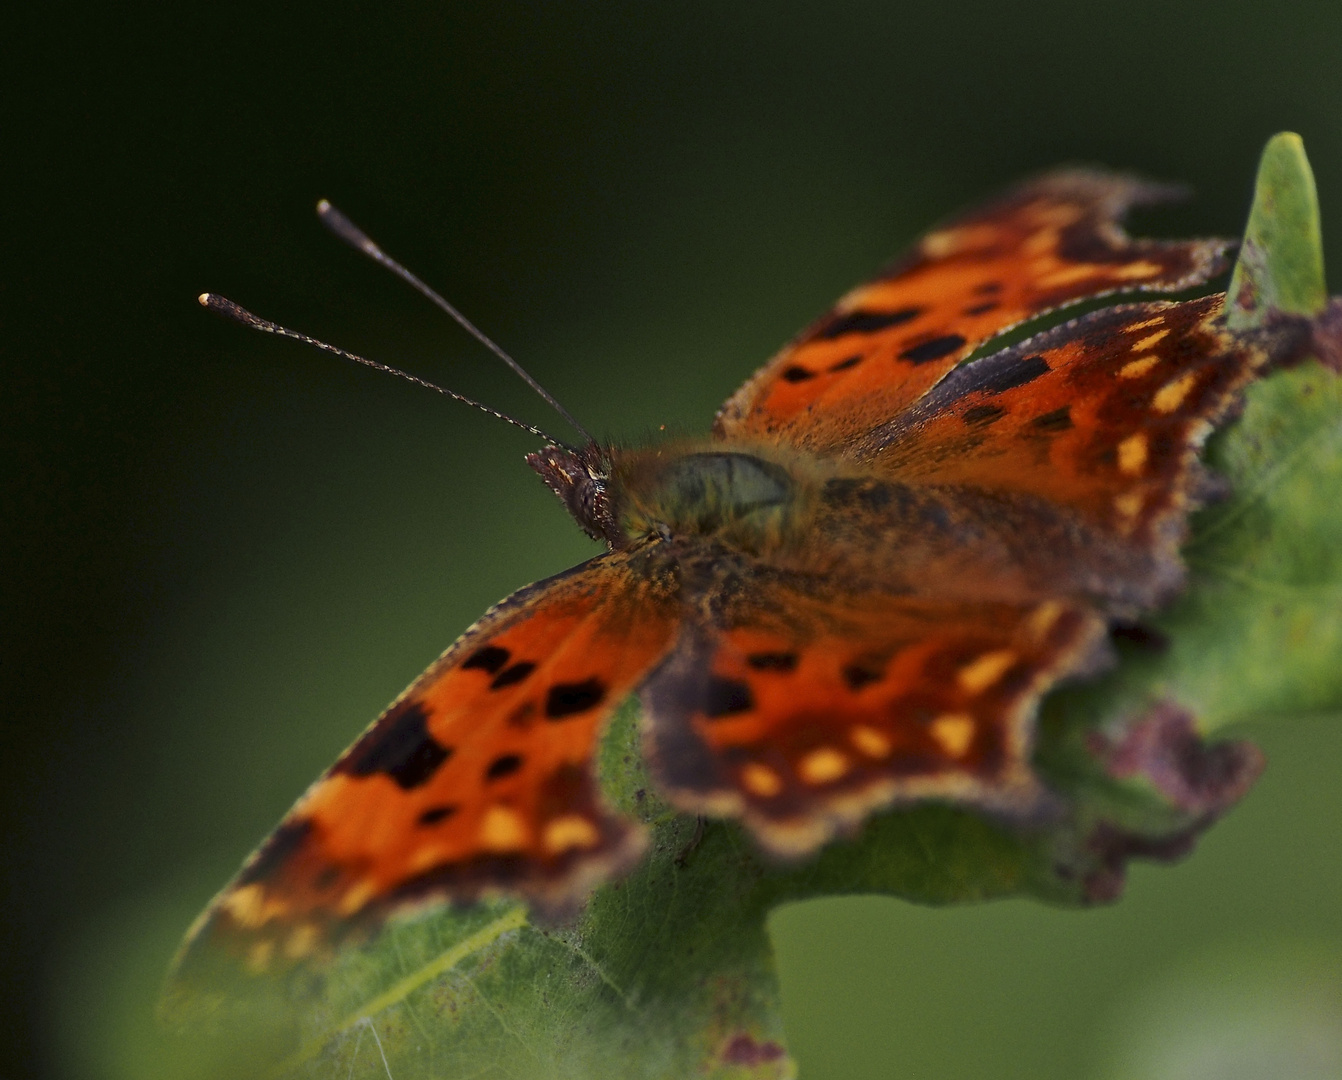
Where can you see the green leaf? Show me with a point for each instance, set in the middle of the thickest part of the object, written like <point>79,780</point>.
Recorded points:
<point>669,973</point>
<point>1280,267</point>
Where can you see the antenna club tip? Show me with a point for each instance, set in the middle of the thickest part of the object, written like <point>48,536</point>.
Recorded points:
<point>204,299</point>
<point>323,207</point>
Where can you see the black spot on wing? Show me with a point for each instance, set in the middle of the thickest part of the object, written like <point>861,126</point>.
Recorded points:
<point>326,878</point>
<point>988,287</point>
<point>283,843</point>
<point>725,697</point>
<point>772,661</point>
<point>400,746</point>
<point>569,699</point>
<point>490,658</point>
<point>512,675</point>
<point>522,715</point>
<point>1143,635</point>
<point>796,373</point>
<point>503,766</point>
<point>1057,420</point>
<point>981,309</point>
<point>859,675</point>
<point>995,374</point>
<point>864,322</point>
<point>846,363</point>
<point>982,415</point>
<point>434,814</point>
<point>933,350</point>
<point>1011,373</point>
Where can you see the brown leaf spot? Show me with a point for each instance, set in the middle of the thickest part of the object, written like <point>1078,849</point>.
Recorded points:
<point>743,1049</point>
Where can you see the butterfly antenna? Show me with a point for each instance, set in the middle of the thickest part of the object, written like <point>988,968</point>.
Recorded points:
<point>237,313</point>
<point>339,224</point>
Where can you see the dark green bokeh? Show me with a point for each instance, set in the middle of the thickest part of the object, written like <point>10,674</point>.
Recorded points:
<point>223,555</point>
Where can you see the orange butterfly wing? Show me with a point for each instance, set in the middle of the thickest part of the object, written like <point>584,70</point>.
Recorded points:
<point>803,715</point>
<point>1048,243</point>
<point>1101,417</point>
<point>479,778</point>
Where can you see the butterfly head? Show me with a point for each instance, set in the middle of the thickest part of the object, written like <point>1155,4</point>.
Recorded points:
<point>581,479</point>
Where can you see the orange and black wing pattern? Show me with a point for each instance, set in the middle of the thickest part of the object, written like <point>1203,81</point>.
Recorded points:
<point>1048,243</point>
<point>1100,419</point>
<point>803,715</point>
<point>478,780</point>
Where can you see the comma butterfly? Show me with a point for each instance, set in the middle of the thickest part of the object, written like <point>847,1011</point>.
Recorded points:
<point>850,595</point>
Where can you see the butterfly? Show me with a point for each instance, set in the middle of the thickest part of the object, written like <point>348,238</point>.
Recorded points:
<point>849,596</point>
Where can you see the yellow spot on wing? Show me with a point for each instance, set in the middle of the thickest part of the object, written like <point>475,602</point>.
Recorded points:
<point>1068,275</point>
<point>569,831</point>
<point>1149,341</point>
<point>258,956</point>
<point>938,245</point>
<point>425,857</point>
<point>501,829</point>
<point>761,780</point>
<point>979,674</point>
<point>1129,504</point>
<point>1132,454</point>
<point>1170,396</point>
<point>1043,618</point>
<point>823,765</point>
<point>1135,369</point>
<point>954,731</point>
<point>870,741</point>
<point>246,905</point>
<point>1042,241</point>
<point>356,896</point>
<point>1136,270</point>
<point>1149,322</point>
<point>300,941</point>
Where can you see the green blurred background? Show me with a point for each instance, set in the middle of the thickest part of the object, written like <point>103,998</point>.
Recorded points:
<point>223,554</point>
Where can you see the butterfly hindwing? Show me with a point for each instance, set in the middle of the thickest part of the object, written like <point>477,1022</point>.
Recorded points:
<point>1048,243</point>
<point>804,716</point>
<point>478,779</point>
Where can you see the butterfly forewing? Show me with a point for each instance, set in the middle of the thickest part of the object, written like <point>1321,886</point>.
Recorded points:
<point>1049,243</point>
<point>478,779</point>
<point>1101,417</point>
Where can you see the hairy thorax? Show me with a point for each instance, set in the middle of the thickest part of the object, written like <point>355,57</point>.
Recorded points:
<point>813,514</point>
<point>755,501</point>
